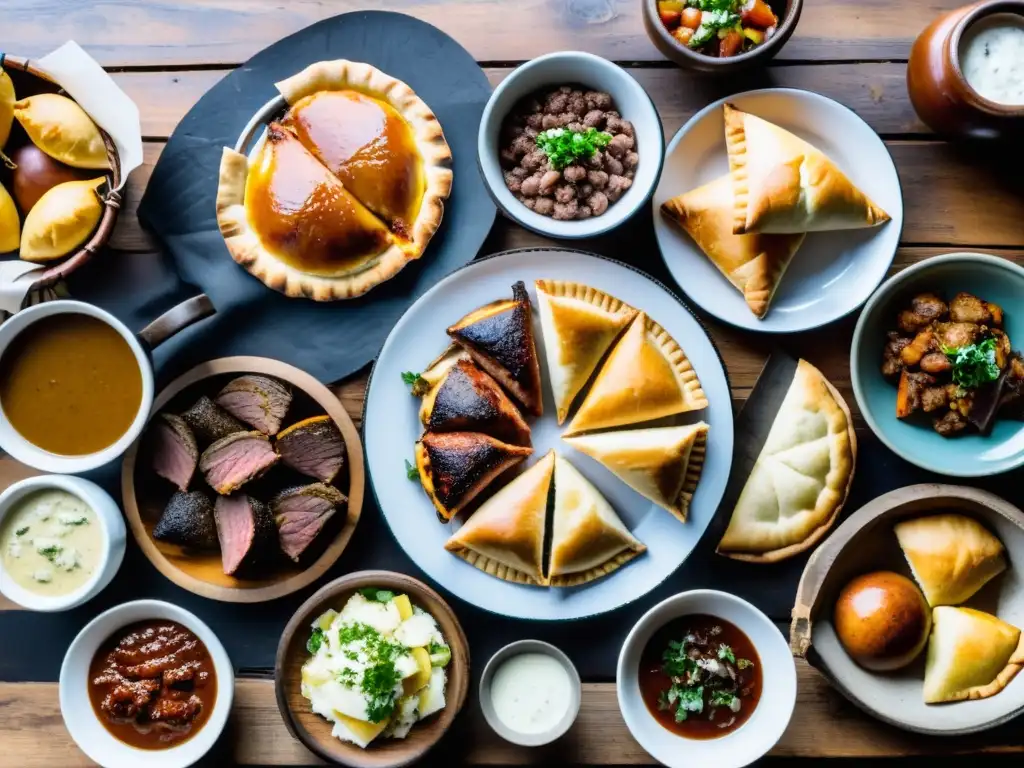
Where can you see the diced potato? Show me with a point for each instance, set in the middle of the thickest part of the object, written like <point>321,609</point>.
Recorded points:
<point>432,697</point>
<point>362,733</point>
<point>404,606</point>
<point>417,681</point>
<point>314,677</point>
<point>325,619</point>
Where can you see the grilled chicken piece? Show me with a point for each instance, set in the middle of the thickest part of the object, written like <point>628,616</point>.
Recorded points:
<point>968,308</point>
<point>956,335</point>
<point>935,363</point>
<point>891,362</point>
<point>922,344</point>
<point>925,309</point>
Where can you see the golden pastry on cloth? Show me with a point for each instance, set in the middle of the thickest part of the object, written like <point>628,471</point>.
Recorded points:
<point>753,263</point>
<point>662,464</point>
<point>800,479</point>
<point>783,184</point>
<point>505,536</point>
<point>360,200</point>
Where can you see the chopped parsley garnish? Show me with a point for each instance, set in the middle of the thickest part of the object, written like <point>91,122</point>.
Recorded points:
<point>744,663</point>
<point>712,21</point>
<point>377,595</point>
<point>21,531</point>
<point>675,661</point>
<point>725,652</point>
<point>347,677</point>
<point>379,683</point>
<point>411,378</point>
<point>974,364</point>
<point>315,640</point>
<point>411,473</point>
<point>722,699</point>
<point>564,147</point>
<point>351,655</point>
<point>51,552</point>
<point>687,700</point>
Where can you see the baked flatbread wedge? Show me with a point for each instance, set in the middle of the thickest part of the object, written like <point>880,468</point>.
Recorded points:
<point>579,324</point>
<point>971,655</point>
<point>753,263</point>
<point>646,376</point>
<point>505,536</point>
<point>782,184</point>
<point>588,540</point>
<point>662,464</point>
<point>800,479</point>
<point>951,556</point>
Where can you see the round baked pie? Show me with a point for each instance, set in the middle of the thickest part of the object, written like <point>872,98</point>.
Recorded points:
<point>343,191</point>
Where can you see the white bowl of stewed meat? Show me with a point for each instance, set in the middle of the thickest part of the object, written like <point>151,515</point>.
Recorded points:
<point>570,145</point>
<point>936,364</point>
<point>146,682</point>
<point>706,678</point>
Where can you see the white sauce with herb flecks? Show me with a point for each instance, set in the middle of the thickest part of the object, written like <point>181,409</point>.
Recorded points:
<point>51,543</point>
<point>992,58</point>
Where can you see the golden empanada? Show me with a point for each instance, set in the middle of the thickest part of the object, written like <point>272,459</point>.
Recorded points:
<point>63,130</point>
<point>10,224</point>
<point>7,99</point>
<point>62,220</point>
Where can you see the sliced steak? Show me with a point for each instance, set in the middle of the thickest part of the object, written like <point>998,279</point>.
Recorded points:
<point>209,422</point>
<point>173,449</point>
<point>313,447</point>
<point>245,529</point>
<point>188,521</point>
<point>259,401</point>
<point>234,460</point>
<point>300,514</point>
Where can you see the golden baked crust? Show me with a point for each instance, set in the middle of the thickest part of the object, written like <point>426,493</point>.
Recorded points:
<point>646,376</point>
<point>588,539</point>
<point>801,478</point>
<point>783,184</point>
<point>753,263</point>
<point>579,324</point>
<point>505,536</point>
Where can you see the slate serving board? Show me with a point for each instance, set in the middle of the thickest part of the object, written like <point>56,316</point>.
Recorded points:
<point>329,340</point>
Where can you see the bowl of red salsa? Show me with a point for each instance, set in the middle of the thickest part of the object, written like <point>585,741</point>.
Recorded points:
<point>705,674</point>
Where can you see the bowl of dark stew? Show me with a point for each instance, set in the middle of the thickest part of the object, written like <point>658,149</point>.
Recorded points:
<point>146,681</point>
<point>706,678</point>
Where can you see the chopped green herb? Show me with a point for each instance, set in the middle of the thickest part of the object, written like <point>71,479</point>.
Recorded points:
<point>688,700</point>
<point>974,364</point>
<point>564,147</point>
<point>675,662</point>
<point>713,5</point>
<point>377,595</point>
<point>411,473</point>
<point>315,640</point>
<point>744,663</point>
<point>440,655</point>
<point>351,633</point>
<point>21,531</point>
<point>347,677</point>
<point>412,379</point>
<point>351,655</point>
<point>710,23</point>
<point>379,683</point>
<point>51,552</point>
<point>722,699</point>
<point>725,652</point>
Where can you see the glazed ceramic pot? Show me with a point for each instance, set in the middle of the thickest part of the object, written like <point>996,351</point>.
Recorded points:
<point>938,89</point>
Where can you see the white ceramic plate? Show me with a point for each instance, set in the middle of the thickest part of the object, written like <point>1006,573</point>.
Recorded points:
<point>833,273</point>
<point>392,426</point>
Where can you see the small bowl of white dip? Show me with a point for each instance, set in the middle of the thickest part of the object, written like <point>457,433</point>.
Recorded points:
<point>530,693</point>
<point>62,539</point>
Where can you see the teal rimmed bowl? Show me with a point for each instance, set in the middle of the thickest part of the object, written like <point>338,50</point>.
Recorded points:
<point>992,278</point>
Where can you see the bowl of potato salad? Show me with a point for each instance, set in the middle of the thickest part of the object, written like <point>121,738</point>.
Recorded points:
<point>372,670</point>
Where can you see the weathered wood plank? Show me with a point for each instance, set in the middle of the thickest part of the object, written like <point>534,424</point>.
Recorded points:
<point>184,32</point>
<point>823,725</point>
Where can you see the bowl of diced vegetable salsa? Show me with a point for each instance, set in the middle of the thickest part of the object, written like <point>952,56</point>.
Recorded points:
<point>720,35</point>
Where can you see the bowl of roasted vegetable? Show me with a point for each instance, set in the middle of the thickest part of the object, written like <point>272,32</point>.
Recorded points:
<point>720,35</point>
<point>936,364</point>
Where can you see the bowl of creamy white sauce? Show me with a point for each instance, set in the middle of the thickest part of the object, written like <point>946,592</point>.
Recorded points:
<point>530,693</point>
<point>991,58</point>
<point>62,539</point>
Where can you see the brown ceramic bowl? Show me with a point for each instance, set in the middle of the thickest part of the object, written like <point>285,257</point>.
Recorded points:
<point>145,495</point>
<point>788,12</point>
<point>313,730</point>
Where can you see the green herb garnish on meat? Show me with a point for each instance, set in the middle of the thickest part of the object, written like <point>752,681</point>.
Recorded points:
<point>411,473</point>
<point>564,147</point>
<point>974,364</point>
<point>411,378</point>
<point>688,700</point>
<point>315,640</point>
<point>725,652</point>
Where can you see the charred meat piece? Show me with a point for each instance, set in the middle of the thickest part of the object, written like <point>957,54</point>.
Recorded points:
<point>313,447</point>
<point>246,531</point>
<point>934,398</point>
<point>911,389</point>
<point>951,423</point>
<point>935,363</point>
<point>892,363</point>
<point>209,422</point>
<point>967,308</point>
<point>259,401</point>
<point>956,335</point>
<point>173,449</point>
<point>925,308</point>
<point>301,513</point>
<point>469,400</point>
<point>126,698</point>
<point>1011,396</point>
<point>188,521</point>
<point>234,460</point>
<point>923,343</point>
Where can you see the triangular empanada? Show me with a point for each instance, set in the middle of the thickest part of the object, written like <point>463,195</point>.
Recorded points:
<point>646,376</point>
<point>579,324</point>
<point>588,540</point>
<point>951,556</point>
<point>505,537</point>
<point>663,464</point>
<point>801,477</point>
<point>437,369</point>
<point>783,184</point>
<point>971,655</point>
<point>469,400</point>
<point>753,263</point>
<point>499,336</point>
<point>455,466</point>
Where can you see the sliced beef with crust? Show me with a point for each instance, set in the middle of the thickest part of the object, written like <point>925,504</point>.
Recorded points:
<point>234,460</point>
<point>301,513</point>
<point>188,521</point>
<point>210,422</point>
<point>313,447</point>
<point>259,401</point>
<point>245,529</point>
<point>173,449</point>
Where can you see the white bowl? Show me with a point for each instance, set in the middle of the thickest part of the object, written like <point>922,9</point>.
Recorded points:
<point>110,519</point>
<point>491,716</point>
<point>771,716</point>
<point>631,101</point>
<point>85,727</point>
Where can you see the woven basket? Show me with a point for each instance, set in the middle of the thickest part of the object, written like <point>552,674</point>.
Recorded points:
<point>111,200</point>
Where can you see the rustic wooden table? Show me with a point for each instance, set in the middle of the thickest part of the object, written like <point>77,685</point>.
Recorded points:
<point>167,53</point>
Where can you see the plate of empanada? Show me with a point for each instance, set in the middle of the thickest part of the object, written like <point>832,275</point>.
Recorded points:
<point>548,433</point>
<point>778,210</point>
<point>913,609</point>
